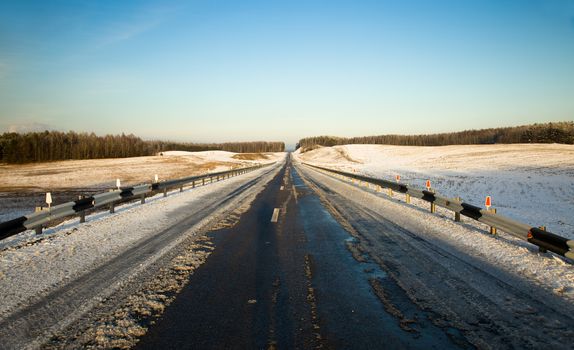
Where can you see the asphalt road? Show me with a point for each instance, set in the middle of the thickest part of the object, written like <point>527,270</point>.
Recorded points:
<point>293,283</point>
<point>73,304</point>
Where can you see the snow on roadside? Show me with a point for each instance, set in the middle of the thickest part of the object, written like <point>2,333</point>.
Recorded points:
<point>33,265</point>
<point>531,183</point>
<point>468,240</point>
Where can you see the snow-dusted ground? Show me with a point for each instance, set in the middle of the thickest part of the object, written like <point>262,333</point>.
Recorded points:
<point>532,183</point>
<point>32,266</point>
<point>23,186</point>
<point>468,240</point>
<point>102,173</point>
<point>499,291</point>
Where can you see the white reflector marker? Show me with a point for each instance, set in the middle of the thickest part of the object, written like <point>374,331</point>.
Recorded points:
<point>282,188</point>
<point>49,199</point>
<point>275,215</point>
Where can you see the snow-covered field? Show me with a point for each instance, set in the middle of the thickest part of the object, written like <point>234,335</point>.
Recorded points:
<point>532,183</point>
<point>23,186</point>
<point>102,173</point>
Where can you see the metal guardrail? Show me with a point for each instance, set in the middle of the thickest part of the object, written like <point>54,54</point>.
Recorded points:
<point>38,219</point>
<point>543,239</point>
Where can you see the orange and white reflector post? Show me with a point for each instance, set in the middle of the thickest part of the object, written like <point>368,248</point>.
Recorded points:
<point>428,185</point>
<point>488,205</point>
<point>398,178</point>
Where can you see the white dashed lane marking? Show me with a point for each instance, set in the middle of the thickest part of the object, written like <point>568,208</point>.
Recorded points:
<point>275,215</point>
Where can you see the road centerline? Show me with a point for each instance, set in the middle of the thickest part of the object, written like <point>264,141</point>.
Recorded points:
<point>275,215</point>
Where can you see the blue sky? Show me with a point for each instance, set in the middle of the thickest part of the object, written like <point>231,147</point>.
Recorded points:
<point>211,71</point>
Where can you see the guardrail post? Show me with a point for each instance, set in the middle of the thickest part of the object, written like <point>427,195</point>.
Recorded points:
<point>82,213</point>
<point>540,249</point>
<point>165,192</point>
<point>492,228</point>
<point>142,201</point>
<point>203,181</point>
<point>390,192</point>
<point>112,207</point>
<point>432,207</point>
<point>180,188</point>
<point>38,229</point>
<point>456,213</point>
<point>408,198</point>
<point>193,184</point>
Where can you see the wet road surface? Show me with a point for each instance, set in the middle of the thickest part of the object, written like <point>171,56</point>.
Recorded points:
<point>293,283</point>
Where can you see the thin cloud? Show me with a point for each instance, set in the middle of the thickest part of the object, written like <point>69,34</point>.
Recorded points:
<point>145,20</point>
<point>128,31</point>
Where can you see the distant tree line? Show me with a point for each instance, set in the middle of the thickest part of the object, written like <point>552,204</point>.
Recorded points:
<point>55,145</point>
<point>238,147</point>
<point>561,132</point>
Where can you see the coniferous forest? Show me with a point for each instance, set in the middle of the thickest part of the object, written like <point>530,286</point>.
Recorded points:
<point>561,132</point>
<point>55,145</point>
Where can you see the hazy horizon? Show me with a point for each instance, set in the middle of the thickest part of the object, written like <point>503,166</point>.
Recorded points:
<point>219,72</point>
